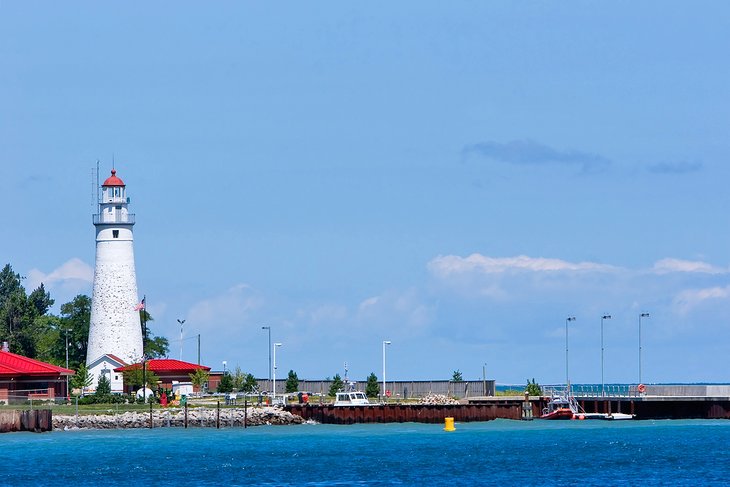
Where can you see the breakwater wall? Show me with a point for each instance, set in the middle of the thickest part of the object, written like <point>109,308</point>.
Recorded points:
<point>403,413</point>
<point>197,417</point>
<point>37,420</point>
<point>489,408</point>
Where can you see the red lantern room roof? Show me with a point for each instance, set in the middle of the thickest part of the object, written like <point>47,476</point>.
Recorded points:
<point>113,180</point>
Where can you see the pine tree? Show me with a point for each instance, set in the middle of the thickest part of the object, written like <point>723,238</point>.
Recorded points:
<point>82,379</point>
<point>337,385</point>
<point>226,383</point>
<point>372,388</point>
<point>249,383</point>
<point>292,382</point>
<point>103,387</point>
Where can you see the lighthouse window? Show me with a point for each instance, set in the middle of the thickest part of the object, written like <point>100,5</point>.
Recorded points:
<point>115,233</point>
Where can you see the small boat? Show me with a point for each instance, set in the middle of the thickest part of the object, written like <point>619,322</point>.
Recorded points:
<point>352,398</point>
<point>560,406</point>
<point>563,405</point>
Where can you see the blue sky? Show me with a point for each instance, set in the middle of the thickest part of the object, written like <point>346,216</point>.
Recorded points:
<point>455,178</point>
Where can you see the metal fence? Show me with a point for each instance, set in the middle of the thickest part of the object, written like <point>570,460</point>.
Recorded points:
<point>398,389</point>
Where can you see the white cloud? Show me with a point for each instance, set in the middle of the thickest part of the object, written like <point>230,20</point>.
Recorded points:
<point>231,307</point>
<point>74,273</point>
<point>691,298</point>
<point>444,266</point>
<point>402,308</point>
<point>327,313</point>
<point>668,265</point>
<point>368,303</point>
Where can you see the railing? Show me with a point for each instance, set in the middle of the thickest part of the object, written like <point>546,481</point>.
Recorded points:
<point>106,218</point>
<point>594,390</point>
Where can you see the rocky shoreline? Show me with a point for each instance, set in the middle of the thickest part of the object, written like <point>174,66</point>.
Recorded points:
<point>197,417</point>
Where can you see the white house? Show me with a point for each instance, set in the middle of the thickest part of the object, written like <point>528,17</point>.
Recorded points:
<point>105,365</point>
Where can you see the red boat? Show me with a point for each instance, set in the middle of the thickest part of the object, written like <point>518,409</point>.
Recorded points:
<point>560,407</point>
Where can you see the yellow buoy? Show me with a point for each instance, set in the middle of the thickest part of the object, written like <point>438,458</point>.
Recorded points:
<point>449,424</point>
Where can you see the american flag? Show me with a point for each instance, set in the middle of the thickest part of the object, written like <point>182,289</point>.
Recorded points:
<point>140,306</point>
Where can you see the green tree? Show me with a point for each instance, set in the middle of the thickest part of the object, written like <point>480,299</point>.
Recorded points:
<point>249,384</point>
<point>103,387</point>
<point>372,388</point>
<point>75,317</point>
<point>457,377</point>
<point>9,284</point>
<point>153,346</point>
<point>137,376</point>
<point>51,342</point>
<point>199,378</point>
<point>156,347</point>
<point>292,382</point>
<point>337,385</point>
<point>533,388</point>
<point>226,383</point>
<point>238,378</point>
<point>20,323</point>
<point>82,379</point>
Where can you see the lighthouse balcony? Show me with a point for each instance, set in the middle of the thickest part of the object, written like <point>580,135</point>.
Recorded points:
<point>111,219</point>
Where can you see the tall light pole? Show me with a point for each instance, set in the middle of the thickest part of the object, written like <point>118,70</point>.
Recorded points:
<point>269,328</point>
<point>68,396</point>
<point>567,377</point>
<point>641,315</point>
<point>182,322</point>
<point>274,370</point>
<point>385,342</point>
<point>484,379</point>
<point>604,317</point>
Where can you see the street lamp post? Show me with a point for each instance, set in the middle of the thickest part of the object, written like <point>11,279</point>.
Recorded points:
<point>641,315</point>
<point>182,322</point>
<point>484,379</point>
<point>274,372</point>
<point>269,329</point>
<point>68,396</point>
<point>385,342</point>
<point>567,376</point>
<point>604,317</point>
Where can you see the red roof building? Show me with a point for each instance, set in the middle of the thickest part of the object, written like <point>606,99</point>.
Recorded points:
<point>23,378</point>
<point>168,370</point>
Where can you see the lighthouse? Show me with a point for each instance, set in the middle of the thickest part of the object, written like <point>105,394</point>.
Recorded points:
<point>115,324</point>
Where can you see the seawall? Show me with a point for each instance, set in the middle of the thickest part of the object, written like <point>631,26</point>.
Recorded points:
<point>37,420</point>
<point>402,413</point>
<point>489,408</point>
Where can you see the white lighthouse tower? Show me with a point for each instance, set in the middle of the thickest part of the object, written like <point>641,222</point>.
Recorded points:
<point>115,325</point>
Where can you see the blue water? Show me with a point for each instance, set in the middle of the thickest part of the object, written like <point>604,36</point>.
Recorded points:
<point>693,452</point>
